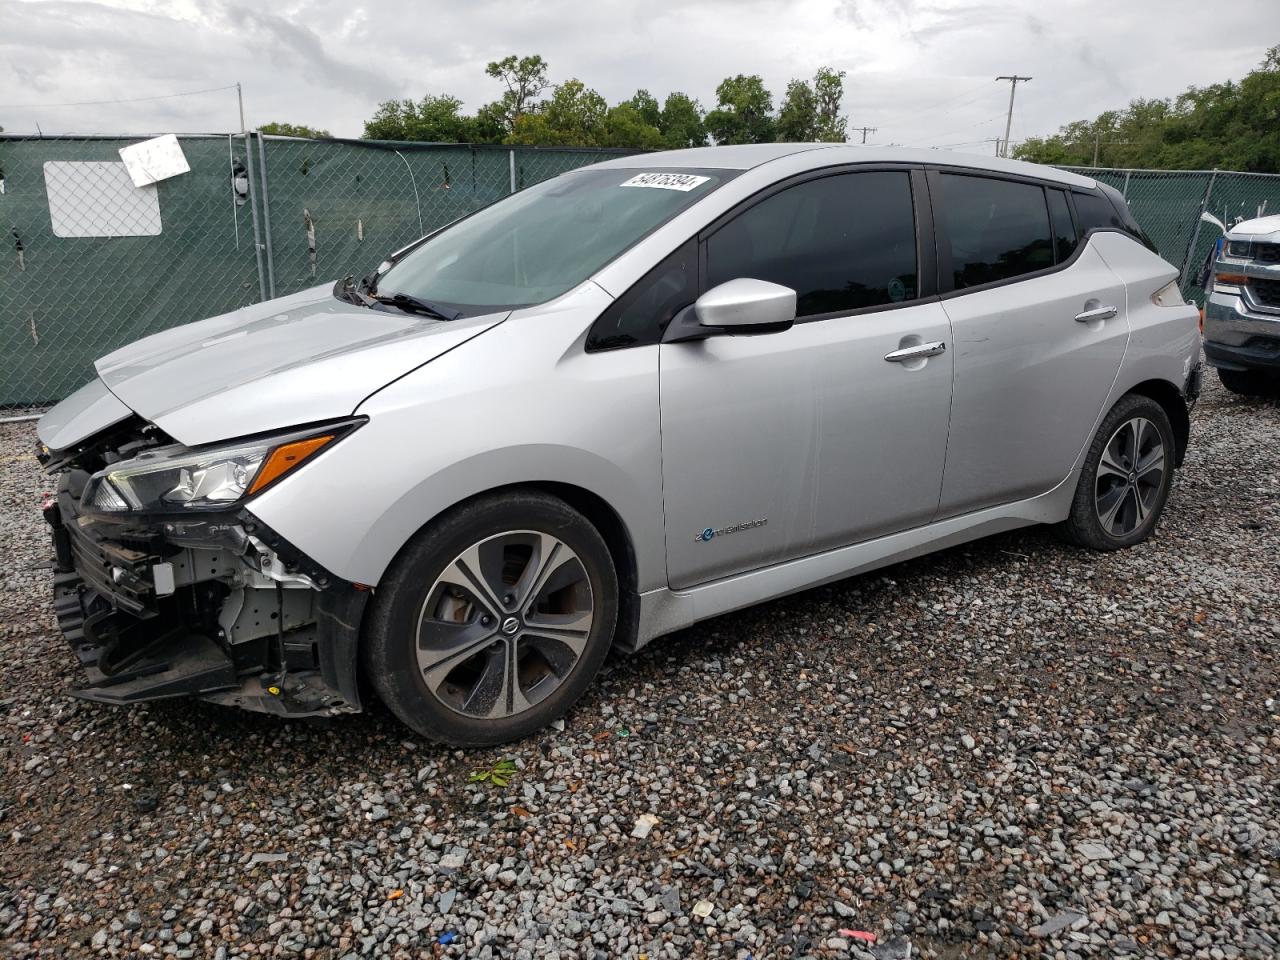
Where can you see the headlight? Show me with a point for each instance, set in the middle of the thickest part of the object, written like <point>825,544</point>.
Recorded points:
<point>1239,248</point>
<point>177,479</point>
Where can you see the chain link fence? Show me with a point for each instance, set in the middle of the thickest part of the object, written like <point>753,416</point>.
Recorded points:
<point>92,262</point>
<point>1168,204</point>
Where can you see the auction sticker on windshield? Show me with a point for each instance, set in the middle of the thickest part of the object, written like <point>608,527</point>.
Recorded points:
<point>683,182</point>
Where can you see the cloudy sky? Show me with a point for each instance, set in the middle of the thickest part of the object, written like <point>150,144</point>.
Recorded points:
<point>921,71</point>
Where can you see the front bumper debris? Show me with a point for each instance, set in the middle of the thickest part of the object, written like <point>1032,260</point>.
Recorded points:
<point>217,607</point>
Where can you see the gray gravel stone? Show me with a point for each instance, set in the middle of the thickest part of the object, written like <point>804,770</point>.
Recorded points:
<point>937,748</point>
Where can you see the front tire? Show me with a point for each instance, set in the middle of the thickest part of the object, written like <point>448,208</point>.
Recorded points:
<point>493,620</point>
<point>1249,383</point>
<point>1127,473</point>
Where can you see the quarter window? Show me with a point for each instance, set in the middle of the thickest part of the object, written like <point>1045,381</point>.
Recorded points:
<point>1064,231</point>
<point>998,229</point>
<point>842,242</point>
<point>641,314</point>
<point>1096,213</point>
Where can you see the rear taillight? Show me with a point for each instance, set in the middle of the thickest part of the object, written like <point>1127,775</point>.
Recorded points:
<point>1168,296</point>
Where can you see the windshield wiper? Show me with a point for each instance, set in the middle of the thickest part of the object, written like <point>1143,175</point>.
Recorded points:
<point>415,305</point>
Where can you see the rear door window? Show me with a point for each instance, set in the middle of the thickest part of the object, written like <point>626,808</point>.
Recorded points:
<point>998,229</point>
<point>843,243</point>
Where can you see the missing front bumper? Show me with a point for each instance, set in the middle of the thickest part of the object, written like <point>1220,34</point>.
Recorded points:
<point>223,634</point>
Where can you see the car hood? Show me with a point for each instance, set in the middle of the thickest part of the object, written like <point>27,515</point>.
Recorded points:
<point>1263,228</point>
<point>294,360</point>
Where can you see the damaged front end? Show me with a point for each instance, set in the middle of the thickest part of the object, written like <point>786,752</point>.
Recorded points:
<point>165,585</point>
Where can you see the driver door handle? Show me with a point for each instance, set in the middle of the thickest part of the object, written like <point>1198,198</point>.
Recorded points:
<point>919,352</point>
<point>1097,313</point>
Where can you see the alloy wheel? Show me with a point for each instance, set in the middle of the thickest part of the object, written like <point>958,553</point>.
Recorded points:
<point>504,624</point>
<point>1130,477</point>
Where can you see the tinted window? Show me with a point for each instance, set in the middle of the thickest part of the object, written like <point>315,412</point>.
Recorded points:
<point>1064,232</point>
<point>998,229</point>
<point>1096,212</point>
<point>643,312</point>
<point>840,242</point>
<point>1107,208</point>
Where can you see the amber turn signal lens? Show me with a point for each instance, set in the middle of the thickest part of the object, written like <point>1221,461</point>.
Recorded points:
<point>285,458</point>
<point>1232,278</point>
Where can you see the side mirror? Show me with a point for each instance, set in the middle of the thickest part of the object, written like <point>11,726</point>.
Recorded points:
<point>739,307</point>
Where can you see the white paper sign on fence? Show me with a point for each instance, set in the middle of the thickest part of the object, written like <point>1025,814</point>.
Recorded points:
<point>154,160</point>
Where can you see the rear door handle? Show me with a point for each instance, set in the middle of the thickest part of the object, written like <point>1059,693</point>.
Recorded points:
<point>918,352</point>
<point>1097,313</point>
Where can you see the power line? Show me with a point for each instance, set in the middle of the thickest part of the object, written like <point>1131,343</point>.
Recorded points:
<point>1014,80</point>
<point>967,96</point>
<point>864,131</point>
<point>99,103</point>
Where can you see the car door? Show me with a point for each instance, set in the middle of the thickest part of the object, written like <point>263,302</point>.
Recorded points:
<point>1040,328</point>
<point>784,444</point>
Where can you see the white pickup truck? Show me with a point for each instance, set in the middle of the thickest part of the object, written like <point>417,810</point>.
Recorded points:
<point>1242,308</point>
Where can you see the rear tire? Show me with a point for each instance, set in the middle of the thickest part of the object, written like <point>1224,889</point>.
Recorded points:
<point>1127,473</point>
<point>1249,383</point>
<point>493,621</point>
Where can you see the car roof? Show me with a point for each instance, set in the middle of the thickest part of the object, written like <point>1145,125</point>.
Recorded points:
<point>750,155</point>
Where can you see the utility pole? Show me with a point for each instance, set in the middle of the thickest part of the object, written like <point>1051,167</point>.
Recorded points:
<point>1014,80</point>
<point>240,98</point>
<point>864,131</point>
<point>1097,137</point>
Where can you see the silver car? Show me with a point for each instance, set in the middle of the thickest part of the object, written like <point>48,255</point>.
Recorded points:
<point>630,398</point>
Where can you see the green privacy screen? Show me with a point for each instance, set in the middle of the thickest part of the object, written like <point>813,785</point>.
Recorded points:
<point>86,268</point>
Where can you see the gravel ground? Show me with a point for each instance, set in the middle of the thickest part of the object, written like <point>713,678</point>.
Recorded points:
<point>1010,748</point>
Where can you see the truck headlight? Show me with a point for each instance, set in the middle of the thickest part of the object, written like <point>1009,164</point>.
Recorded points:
<point>178,479</point>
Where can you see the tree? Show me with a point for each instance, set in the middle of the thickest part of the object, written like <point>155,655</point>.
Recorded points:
<point>828,92</point>
<point>743,111</point>
<point>625,126</point>
<point>798,115</point>
<point>646,105</point>
<point>291,130</point>
<point>1234,126</point>
<point>525,79</point>
<point>573,115</point>
<point>682,122</point>
<point>435,119</point>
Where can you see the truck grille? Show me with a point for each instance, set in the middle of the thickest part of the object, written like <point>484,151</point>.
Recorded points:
<point>1267,292</point>
<point>1267,252</point>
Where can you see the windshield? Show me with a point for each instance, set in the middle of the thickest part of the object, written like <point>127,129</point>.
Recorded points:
<point>543,241</point>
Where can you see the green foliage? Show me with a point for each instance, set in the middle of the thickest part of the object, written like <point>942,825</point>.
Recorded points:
<point>525,78</point>
<point>798,115</point>
<point>625,126</point>
<point>682,122</point>
<point>646,105</point>
<point>828,92</point>
<point>811,112</point>
<point>290,130</point>
<point>576,115</point>
<point>744,111</point>
<point>1233,126</point>
<point>499,775</point>
<point>431,119</point>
